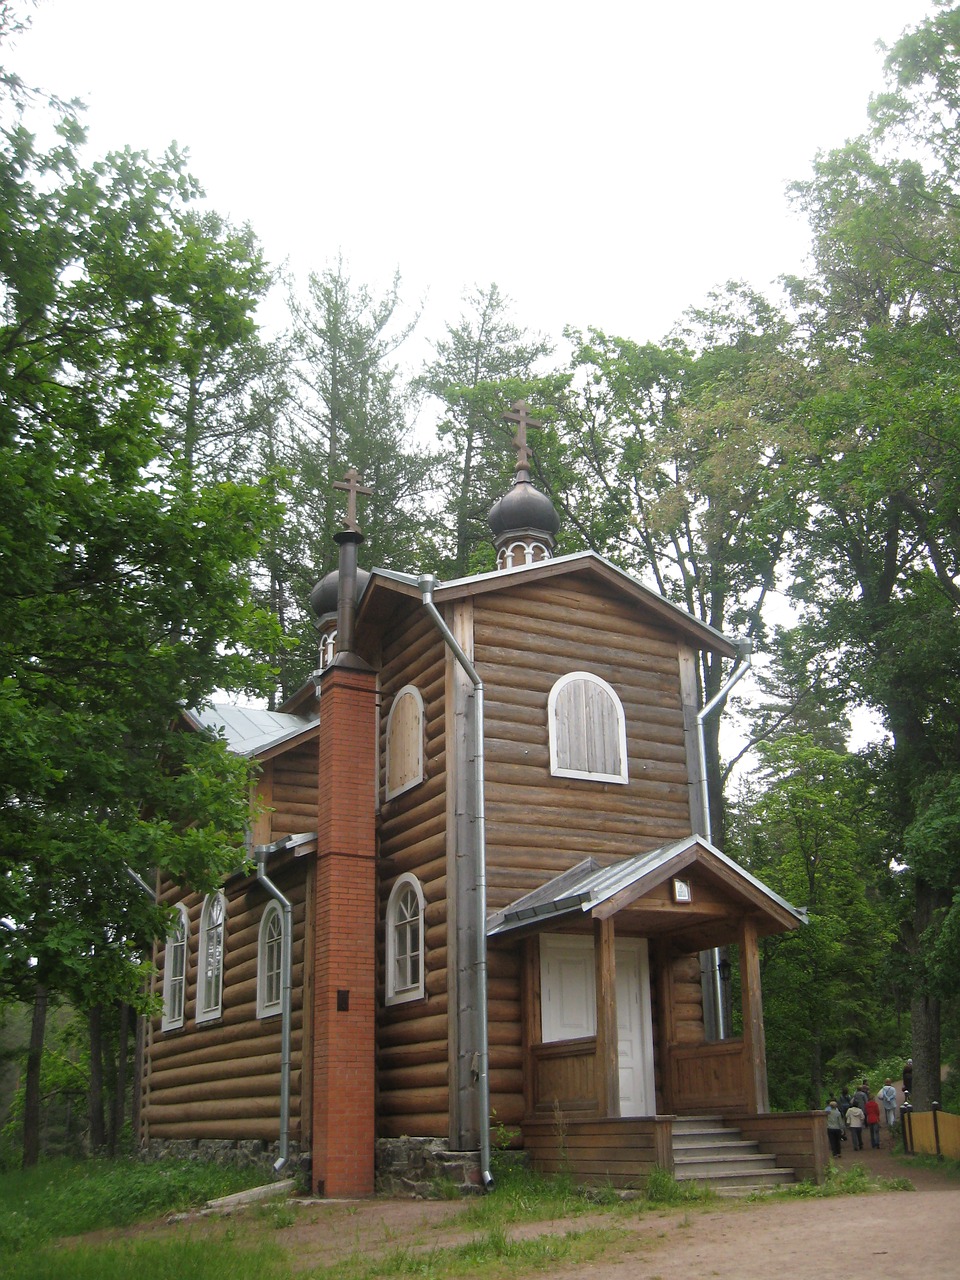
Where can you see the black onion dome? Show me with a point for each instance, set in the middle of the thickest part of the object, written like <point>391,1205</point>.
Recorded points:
<point>523,509</point>
<point>324,596</point>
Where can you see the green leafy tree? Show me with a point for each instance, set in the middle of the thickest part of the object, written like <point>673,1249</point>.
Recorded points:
<point>124,583</point>
<point>811,828</point>
<point>674,466</point>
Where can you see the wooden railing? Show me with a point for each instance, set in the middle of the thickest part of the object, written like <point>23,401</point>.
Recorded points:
<point>564,1077</point>
<point>707,1078</point>
<point>931,1134</point>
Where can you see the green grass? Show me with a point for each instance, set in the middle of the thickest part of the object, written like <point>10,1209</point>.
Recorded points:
<point>66,1198</point>
<point>851,1181</point>
<point>490,1254</point>
<point>149,1260</point>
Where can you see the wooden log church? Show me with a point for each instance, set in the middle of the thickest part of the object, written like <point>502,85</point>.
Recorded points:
<point>482,893</point>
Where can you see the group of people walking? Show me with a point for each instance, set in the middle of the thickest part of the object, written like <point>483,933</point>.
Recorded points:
<point>852,1115</point>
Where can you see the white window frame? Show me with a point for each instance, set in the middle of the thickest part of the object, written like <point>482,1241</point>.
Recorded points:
<point>558,767</point>
<point>416,777</point>
<point>399,988</point>
<point>270,962</point>
<point>174,973</point>
<point>210,976</point>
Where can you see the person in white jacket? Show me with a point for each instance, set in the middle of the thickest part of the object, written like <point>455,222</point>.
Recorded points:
<point>855,1121</point>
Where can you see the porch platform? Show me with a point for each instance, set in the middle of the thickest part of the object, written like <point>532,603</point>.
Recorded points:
<point>621,1153</point>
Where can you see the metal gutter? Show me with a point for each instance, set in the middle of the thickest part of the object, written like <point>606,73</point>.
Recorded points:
<point>744,655</point>
<point>261,853</point>
<point>428,584</point>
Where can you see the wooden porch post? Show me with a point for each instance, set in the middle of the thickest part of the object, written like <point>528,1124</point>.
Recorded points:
<point>754,1041</point>
<point>608,1046</point>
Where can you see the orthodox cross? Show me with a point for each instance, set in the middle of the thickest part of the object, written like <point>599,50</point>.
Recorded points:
<point>520,414</point>
<point>351,483</point>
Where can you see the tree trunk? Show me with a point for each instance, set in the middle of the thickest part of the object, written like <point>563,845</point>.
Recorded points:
<point>925,1010</point>
<point>95,1093</point>
<point>119,1107</point>
<point>31,1103</point>
<point>138,1057</point>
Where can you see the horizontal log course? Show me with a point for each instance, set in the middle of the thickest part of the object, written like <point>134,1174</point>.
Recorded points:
<point>504,1034</point>
<point>688,1012</point>
<point>399,1056</point>
<point>241,1108</point>
<point>427,855</point>
<point>232,1023</point>
<point>686,968</point>
<point>565,612</point>
<point>196,1045</point>
<point>290,794</point>
<point>431,820</point>
<point>419,1075</point>
<point>687,992</point>
<point>221,1069</point>
<point>414,1101</point>
<point>689,1032</point>
<point>505,1057</point>
<point>429,1124</point>
<point>225,1129</point>
<point>426,1027</point>
<point>410,802</point>
<point>435,982</point>
<point>503,961</point>
<point>224,1090</point>
<point>415,663</point>
<point>507,1109</point>
<point>527,774</point>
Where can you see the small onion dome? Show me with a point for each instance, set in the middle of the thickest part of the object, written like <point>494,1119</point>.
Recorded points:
<point>524,512</point>
<point>324,596</point>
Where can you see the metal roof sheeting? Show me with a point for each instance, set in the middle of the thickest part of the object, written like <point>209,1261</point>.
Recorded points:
<point>585,886</point>
<point>249,731</point>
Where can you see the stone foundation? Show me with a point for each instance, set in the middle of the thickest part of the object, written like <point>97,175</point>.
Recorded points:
<point>425,1169</point>
<point>243,1153</point>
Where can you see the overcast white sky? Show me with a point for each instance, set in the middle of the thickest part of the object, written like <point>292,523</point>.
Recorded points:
<point>605,164</point>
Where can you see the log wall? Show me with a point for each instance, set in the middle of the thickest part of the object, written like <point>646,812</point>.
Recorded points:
<point>539,825</point>
<point>412,1043</point>
<point>221,1078</point>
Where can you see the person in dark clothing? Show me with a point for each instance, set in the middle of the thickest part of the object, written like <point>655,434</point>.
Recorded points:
<point>908,1076</point>
<point>843,1102</point>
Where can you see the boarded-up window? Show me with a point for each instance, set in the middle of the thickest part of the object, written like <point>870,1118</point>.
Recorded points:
<point>270,963</point>
<point>404,764</point>
<point>404,923</point>
<point>175,972</point>
<point>588,737</point>
<point>210,960</point>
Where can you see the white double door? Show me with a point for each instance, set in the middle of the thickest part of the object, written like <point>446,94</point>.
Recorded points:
<point>568,1004</point>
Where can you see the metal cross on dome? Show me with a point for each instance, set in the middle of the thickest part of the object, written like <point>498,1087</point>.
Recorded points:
<point>351,484</point>
<point>520,414</point>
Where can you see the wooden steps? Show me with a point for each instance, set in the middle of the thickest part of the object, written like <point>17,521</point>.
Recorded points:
<point>714,1154</point>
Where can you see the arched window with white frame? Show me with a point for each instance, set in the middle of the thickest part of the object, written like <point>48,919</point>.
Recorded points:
<point>175,971</point>
<point>405,948</point>
<point>270,962</point>
<point>404,736</point>
<point>587,728</point>
<point>213,933</point>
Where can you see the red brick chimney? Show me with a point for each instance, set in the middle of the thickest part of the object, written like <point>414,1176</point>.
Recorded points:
<point>344,1014</point>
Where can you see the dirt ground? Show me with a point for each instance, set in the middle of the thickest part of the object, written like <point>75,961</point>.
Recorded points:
<point>895,1234</point>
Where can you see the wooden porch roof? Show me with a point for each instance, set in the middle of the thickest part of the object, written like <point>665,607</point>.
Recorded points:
<point>640,890</point>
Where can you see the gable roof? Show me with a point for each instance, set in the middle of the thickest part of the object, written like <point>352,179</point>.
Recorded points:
<point>250,731</point>
<point>384,585</point>
<point>590,890</point>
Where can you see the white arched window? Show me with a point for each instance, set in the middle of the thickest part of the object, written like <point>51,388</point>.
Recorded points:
<point>213,919</point>
<point>404,976</point>
<point>404,763</point>
<point>270,963</point>
<point>588,735</point>
<point>175,971</point>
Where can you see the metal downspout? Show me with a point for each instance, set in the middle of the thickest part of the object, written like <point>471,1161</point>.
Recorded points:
<point>261,853</point>
<point>427,585</point>
<point>744,654</point>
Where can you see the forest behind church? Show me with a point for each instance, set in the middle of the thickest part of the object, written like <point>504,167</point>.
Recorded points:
<point>785,468</point>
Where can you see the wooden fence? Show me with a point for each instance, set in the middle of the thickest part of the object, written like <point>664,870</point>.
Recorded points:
<point>931,1133</point>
